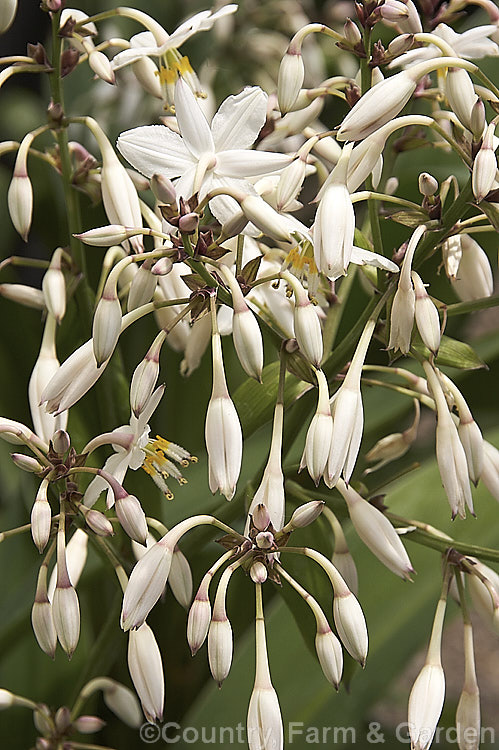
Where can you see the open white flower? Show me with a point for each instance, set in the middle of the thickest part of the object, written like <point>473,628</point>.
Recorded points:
<point>204,156</point>
<point>471,45</point>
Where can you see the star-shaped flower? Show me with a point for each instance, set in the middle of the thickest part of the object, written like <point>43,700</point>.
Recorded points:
<point>471,45</point>
<point>205,157</point>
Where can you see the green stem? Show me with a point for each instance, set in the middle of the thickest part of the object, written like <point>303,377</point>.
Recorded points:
<point>200,269</point>
<point>365,70</point>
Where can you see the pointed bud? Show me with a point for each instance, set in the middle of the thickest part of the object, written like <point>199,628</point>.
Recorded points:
<point>376,531</point>
<point>23,295</point>
<point>477,120</point>
<point>468,709</point>
<point>41,518</point>
<point>180,579</point>
<point>307,326</point>
<point>54,287</point>
<point>290,79</point>
<point>101,66</point>
<point>394,11</point>
<point>425,705</point>
<point>146,73</point>
<point>220,648</point>
<point>318,441</point>
<point>351,625</point>
<point>20,194</point>
<point>426,314</point>
<point>131,516</point>
<point>304,515</point>
<point>266,218</point>
<point>490,470</point>
<point>270,494</point>
<point>258,572</point>
<point>111,234</point>
<point>393,446</point>
<point>485,166</point>
<point>146,671</point>
<point>162,267</point>
<point>343,560</point>
<point>66,613</point>
<point>106,326</point>
<point>41,616</point>
<point>452,252</point>
<point>97,521</point>
<point>460,95</point>
<point>26,463</point>
<point>122,702</point>
<point>351,33</point>
<point>474,278</point>
<point>146,584</point>
<point>142,287</point>
<point>223,433</point>
<point>145,376</point>
<point>330,656</point>
<point>199,618</point>
<point>61,442</point>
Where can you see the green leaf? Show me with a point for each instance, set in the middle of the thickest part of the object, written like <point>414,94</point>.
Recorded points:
<point>453,353</point>
<point>410,218</point>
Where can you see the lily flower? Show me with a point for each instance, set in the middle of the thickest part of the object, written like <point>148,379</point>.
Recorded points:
<point>473,44</point>
<point>204,156</point>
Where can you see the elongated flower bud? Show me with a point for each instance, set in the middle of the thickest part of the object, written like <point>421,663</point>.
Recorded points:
<point>342,559</point>
<point>44,370</point>
<point>65,606</point>
<point>460,95</point>
<point>404,302</point>
<point>23,295</point>
<point>393,446</point>
<point>318,441</point>
<point>54,287</point>
<point>222,431</point>
<point>97,521</point>
<point>20,194</point>
<point>308,332</point>
<point>290,79</point>
<point>468,709</point>
<point>111,234</point>
<point>490,469</point>
<point>376,532</point>
<point>146,671</point>
<point>266,218</point>
<point>269,499</point>
<point>468,431</point>
<point>131,516</point>
<point>427,318</point>
<point>145,376</point>
<point>474,278</point>
<point>106,325</point>
<point>199,619</point>
<point>220,633</point>
<point>180,578</point>
<point>101,66</point>
<point>26,463</point>
<point>89,724</point>
<point>245,330</point>
<point>121,701</point>
<point>41,517</point>
<point>304,515</point>
<point>485,166</point>
<point>41,616</point>
<point>142,287</point>
<point>8,12</point>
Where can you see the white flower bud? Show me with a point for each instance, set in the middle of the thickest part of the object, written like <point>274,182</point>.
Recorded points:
<point>468,431</point>
<point>7,699</point>
<point>330,656</point>
<point>485,166</point>
<point>307,326</point>
<point>54,287</point>
<point>145,376</point>
<point>61,442</point>
<point>142,287</point>
<point>290,183</point>
<point>351,625</point>
<point>162,267</point>
<point>106,326</point>
<point>26,463</point>
<point>146,73</point>
<point>376,532</point>
<point>468,709</point>
<point>101,66</point>
<point>122,702</point>
<point>304,515</point>
<point>76,557</point>
<point>474,278</point>
<point>351,32</point>
<point>258,572</point>
<point>318,441</point>
<point>111,234</point>
<point>180,578</point>
<point>23,295</point>
<point>477,120</point>
<point>269,499</point>
<point>290,80</point>
<point>451,255</point>
<point>41,616</point>
<point>41,518</point>
<point>131,516</point>
<point>266,218</point>
<point>245,330</point>
<point>393,10</point>
<point>146,584</point>
<point>264,723</point>
<point>460,95</point>
<point>97,521</point>
<point>220,648</point>
<point>20,194</point>
<point>8,12</point>
<point>199,618</point>
<point>490,470</point>
<point>146,671</point>
<point>88,724</point>
<point>223,433</point>
<point>427,184</point>
<point>426,314</point>
<point>66,614</point>
<point>261,517</point>
<point>425,705</point>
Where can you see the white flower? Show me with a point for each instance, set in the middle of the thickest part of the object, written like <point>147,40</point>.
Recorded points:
<point>471,45</point>
<point>206,157</point>
<point>123,459</point>
<point>147,44</point>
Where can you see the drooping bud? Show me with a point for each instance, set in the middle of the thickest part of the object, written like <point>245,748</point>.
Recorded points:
<point>131,515</point>
<point>180,578</point>
<point>460,95</point>
<point>318,441</point>
<point>393,446</point>
<point>142,287</point>
<point>97,521</point>
<point>474,278</point>
<point>41,616</point>
<point>145,376</point>
<point>245,330</point>
<point>468,431</point>
<point>258,572</point>
<point>199,618</point>
<point>426,314</point>
<point>220,632</point>
<point>468,709</point>
<point>304,515</point>
<point>485,166</point>
<point>20,194</point>
<point>290,79</point>
<point>88,724</point>
<point>146,671</point>
<point>23,295</point>
<point>307,326</point>
<point>106,325</point>
<point>65,606</point>
<point>404,301</point>
<point>121,701</point>
<point>8,12</point>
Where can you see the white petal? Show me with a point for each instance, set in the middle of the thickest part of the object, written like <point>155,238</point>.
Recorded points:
<point>155,149</point>
<point>363,257</point>
<point>239,119</point>
<point>192,123</point>
<point>243,163</point>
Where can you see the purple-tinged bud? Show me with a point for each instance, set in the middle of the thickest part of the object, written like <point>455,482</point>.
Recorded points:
<point>264,540</point>
<point>163,189</point>
<point>199,618</point>
<point>41,616</point>
<point>261,517</point>
<point>162,267</point>
<point>62,719</point>
<point>106,326</point>
<point>23,295</point>
<point>400,44</point>
<point>394,11</point>
<point>26,463</point>
<point>485,166</point>
<point>220,644</point>
<point>427,184</point>
<point>54,287</point>
<point>61,442</point>
<point>131,516</point>
<point>88,724</point>
<point>97,521</point>
<point>351,33</point>
<point>188,223</point>
<point>258,572</point>
<point>146,671</point>
<point>290,78</point>
<point>330,655</point>
<point>41,517</point>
